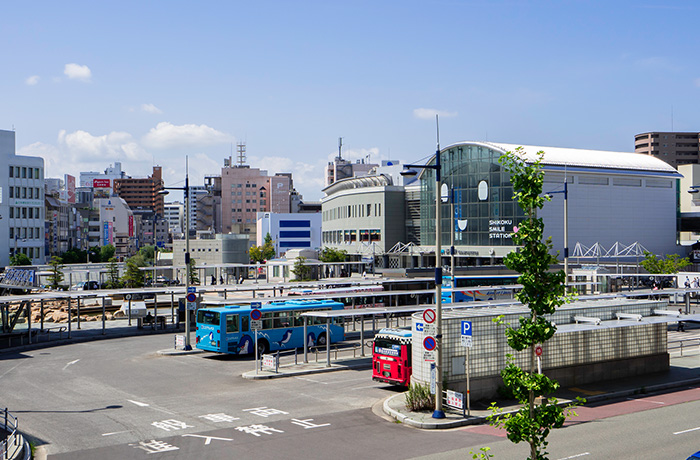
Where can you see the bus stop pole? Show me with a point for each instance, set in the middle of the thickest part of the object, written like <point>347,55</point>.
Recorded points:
<point>328,342</point>
<point>41,306</point>
<point>306,341</point>
<point>155,311</point>
<point>69,317</point>
<point>78,313</point>
<point>256,352</point>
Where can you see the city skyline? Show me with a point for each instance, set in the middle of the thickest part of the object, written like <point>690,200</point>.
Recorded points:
<point>86,85</point>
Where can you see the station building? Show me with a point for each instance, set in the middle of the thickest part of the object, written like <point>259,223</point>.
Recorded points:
<point>612,197</point>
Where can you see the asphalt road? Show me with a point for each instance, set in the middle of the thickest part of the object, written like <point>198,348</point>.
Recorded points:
<point>117,399</point>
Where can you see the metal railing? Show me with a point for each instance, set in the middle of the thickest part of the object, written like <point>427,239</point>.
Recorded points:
<point>11,444</point>
<point>681,344</point>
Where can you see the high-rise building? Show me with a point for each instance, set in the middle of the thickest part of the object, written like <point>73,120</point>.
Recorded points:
<point>142,194</point>
<point>245,191</point>
<point>21,203</point>
<point>175,215</point>
<point>674,148</point>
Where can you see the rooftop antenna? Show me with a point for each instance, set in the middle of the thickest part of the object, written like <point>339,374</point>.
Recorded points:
<point>340,147</point>
<point>241,153</point>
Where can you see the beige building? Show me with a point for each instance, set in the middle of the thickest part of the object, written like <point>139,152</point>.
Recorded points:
<point>673,148</point>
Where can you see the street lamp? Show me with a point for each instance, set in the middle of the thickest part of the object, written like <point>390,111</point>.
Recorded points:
<point>438,412</point>
<point>566,230</point>
<point>185,191</point>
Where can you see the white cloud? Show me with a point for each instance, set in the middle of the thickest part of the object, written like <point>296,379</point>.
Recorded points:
<point>429,114</point>
<point>81,146</point>
<point>166,135</point>
<point>77,72</point>
<point>33,80</point>
<point>150,108</point>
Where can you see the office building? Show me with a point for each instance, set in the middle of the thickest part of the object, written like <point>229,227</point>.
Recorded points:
<point>142,193</point>
<point>289,230</point>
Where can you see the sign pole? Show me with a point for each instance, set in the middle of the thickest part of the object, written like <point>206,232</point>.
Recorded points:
<point>469,413</point>
<point>256,352</point>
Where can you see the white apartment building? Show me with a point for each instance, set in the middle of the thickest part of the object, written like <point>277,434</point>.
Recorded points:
<point>21,203</point>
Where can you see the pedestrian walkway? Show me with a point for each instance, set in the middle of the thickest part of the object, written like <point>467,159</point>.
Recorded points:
<point>684,372</point>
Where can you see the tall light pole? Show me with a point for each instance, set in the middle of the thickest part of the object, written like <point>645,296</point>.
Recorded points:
<point>438,412</point>
<point>566,230</point>
<point>186,191</point>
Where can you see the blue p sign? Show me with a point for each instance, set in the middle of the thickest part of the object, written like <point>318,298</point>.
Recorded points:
<point>467,328</point>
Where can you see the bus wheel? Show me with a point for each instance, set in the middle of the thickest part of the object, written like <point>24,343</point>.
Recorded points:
<point>321,342</point>
<point>263,347</point>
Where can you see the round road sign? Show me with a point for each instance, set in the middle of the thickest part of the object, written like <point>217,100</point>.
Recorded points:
<point>429,315</point>
<point>538,350</point>
<point>429,343</point>
<point>255,314</point>
<point>128,297</point>
<point>191,297</point>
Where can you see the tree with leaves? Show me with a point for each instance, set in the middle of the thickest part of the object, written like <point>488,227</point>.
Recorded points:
<point>107,253</point>
<point>113,281</point>
<point>542,292</point>
<point>672,263</point>
<point>20,258</point>
<point>133,277</point>
<point>194,277</point>
<point>56,275</point>
<point>301,271</point>
<point>332,255</point>
<point>264,252</point>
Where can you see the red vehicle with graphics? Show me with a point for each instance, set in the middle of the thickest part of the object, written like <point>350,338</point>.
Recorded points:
<point>391,357</point>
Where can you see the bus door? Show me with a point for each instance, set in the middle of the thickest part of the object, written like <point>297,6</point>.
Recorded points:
<point>229,340</point>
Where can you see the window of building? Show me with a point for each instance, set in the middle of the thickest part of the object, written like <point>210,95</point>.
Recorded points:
<point>24,172</point>
<point>12,171</point>
<point>24,213</point>
<point>31,173</point>
<point>12,210</point>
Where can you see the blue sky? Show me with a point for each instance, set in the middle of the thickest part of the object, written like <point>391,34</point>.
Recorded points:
<point>85,84</point>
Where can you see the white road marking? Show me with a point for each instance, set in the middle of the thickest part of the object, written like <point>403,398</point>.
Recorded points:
<point>116,432</point>
<point>72,362</point>
<point>576,456</point>
<point>646,400</point>
<point>138,403</point>
<point>687,431</point>
<point>310,380</point>
<point>9,370</point>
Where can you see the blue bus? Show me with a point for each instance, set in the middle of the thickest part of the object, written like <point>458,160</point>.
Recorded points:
<point>227,329</point>
<point>479,287</point>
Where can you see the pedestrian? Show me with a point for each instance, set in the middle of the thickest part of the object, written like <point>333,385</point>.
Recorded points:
<point>213,280</point>
<point>681,324</point>
<point>221,279</point>
<point>687,282</point>
<point>240,280</point>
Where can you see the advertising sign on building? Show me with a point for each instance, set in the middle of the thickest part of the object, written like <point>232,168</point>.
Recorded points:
<point>101,183</point>
<point>70,188</point>
<point>131,225</point>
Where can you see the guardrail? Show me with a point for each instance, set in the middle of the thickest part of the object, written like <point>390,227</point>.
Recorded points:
<point>335,349</point>
<point>11,444</point>
<point>695,342</point>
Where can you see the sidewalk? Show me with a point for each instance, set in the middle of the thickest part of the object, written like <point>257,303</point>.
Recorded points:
<point>684,371</point>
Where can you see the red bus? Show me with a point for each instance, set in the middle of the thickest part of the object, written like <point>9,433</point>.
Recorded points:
<point>391,357</point>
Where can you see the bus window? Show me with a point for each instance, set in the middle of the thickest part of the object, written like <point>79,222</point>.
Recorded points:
<point>267,320</point>
<point>245,323</point>
<point>281,319</point>
<point>231,323</point>
<point>208,317</point>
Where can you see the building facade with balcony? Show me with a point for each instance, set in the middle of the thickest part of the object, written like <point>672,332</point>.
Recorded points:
<point>675,148</point>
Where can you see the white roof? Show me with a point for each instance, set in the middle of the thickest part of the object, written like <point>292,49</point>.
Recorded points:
<point>582,158</point>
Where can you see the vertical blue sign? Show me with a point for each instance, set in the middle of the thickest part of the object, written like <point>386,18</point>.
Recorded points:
<point>467,328</point>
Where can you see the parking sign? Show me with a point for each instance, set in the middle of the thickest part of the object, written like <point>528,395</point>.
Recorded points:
<point>467,328</point>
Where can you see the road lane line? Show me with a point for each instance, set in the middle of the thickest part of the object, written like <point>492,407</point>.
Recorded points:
<point>687,431</point>
<point>576,456</point>
<point>9,370</point>
<point>116,432</point>
<point>311,380</point>
<point>72,362</point>
<point>138,403</point>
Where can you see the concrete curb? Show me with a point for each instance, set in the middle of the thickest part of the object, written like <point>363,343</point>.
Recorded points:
<point>251,375</point>
<point>173,352</point>
<point>478,419</point>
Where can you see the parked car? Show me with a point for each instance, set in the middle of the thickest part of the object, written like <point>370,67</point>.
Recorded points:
<point>86,286</point>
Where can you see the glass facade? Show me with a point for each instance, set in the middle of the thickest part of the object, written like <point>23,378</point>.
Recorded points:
<point>485,211</point>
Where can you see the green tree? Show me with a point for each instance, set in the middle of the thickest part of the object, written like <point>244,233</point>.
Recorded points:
<point>264,252</point>
<point>301,271</point>
<point>134,276</point>
<point>20,258</point>
<point>332,255</point>
<point>543,291</point>
<point>56,275</point>
<point>113,281</point>
<point>107,253</point>
<point>194,278</point>
<point>672,263</point>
